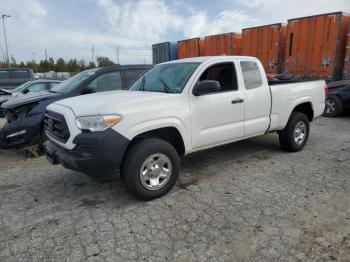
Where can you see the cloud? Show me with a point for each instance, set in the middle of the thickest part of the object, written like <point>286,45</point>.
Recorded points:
<point>26,12</point>
<point>279,10</point>
<point>144,20</point>
<point>67,31</point>
<point>199,24</point>
<point>148,20</point>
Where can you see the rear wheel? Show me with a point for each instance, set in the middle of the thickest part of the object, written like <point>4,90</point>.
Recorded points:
<point>151,168</point>
<point>295,135</point>
<point>334,106</point>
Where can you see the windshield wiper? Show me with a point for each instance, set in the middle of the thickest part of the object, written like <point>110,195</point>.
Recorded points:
<point>166,87</point>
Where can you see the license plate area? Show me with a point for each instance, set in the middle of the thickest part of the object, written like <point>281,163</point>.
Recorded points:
<point>2,122</point>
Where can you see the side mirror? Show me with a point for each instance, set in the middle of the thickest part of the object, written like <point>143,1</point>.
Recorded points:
<point>25,91</point>
<point>86,90</point>
<point>206,87</point>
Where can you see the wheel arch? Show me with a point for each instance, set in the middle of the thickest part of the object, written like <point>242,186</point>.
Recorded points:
<point>305,108</point>
<point>170,134</point>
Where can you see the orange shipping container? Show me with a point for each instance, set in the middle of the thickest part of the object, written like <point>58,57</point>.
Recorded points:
<point>346,69</point>
<point>316,45</point>
<point>267,43</point>
<point>223,44</point>
<point>191,48</point>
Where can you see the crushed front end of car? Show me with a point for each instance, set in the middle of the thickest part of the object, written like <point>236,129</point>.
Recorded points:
<point>22,127</point>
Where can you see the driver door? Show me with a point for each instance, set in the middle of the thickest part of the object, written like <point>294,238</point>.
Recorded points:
<point>218,118</point>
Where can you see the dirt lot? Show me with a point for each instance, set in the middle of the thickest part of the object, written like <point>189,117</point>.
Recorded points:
<point>245,201</point>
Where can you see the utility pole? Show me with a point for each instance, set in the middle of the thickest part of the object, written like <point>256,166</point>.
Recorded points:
<point>117,50</point>
<point>92,53</point>
<point>45,55</point>
<point>34,61</point>
<point>7,51</point>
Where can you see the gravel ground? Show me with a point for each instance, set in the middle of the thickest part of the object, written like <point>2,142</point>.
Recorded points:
<point>247,201</point>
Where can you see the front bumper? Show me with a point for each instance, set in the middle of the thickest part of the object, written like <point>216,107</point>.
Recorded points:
<point>94,151</point>
<point>21,133</point>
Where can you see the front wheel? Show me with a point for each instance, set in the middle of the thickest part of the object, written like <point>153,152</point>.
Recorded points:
<point>150,168</point>
<point>295,135</point>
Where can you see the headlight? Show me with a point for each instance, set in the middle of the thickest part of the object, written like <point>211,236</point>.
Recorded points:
<point>97,123</point>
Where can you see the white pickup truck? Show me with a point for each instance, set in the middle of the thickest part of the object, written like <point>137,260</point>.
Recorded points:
<point>174,109</point>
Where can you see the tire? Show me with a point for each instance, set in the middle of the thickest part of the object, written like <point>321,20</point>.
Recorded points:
<point>290,139</point>
<point>150,168</point>
<point>334,106</point>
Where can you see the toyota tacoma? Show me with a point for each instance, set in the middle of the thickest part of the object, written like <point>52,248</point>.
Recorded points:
<point>172,110</point>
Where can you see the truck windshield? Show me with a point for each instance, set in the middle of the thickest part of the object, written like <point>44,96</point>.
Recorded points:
<point>70,84</point>
<point>166,78</point>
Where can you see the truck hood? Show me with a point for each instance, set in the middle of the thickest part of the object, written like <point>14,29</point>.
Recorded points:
<point>27,99</point>
<point>105,103</point>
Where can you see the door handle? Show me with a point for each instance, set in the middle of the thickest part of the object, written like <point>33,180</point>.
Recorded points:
<point>237,100</point>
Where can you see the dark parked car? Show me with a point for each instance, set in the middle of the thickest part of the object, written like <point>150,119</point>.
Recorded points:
<point>12,77</point>
<point>25,114</point>
<point>30,86</point>
<point>338,98</point>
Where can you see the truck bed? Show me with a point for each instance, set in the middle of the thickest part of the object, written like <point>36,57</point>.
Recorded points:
<point>281,82</point>
<point>284,100</point>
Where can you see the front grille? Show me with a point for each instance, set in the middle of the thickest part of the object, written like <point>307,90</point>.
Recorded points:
<point>56,126</point>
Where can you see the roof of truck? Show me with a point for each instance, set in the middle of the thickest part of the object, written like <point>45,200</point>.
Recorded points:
<point>126,67</point>
<point>201,59</point>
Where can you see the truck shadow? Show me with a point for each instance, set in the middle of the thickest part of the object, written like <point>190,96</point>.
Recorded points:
<point>206,164</point>
<point>346,113</point>
<point>70,190</point>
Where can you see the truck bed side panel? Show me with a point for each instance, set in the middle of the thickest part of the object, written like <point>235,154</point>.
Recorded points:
<point>286,97</point>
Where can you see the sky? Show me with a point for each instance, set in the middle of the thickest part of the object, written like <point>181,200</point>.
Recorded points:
<point>70,28</point>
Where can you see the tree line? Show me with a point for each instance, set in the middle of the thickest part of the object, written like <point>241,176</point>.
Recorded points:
<point>60,65</point>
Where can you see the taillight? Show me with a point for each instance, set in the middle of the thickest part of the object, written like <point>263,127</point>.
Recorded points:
<point>326,90</point>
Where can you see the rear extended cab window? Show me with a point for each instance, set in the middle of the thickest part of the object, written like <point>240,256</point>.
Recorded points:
<point>251,74</point>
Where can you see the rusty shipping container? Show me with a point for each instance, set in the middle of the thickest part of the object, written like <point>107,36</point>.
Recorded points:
<point>346,69</point>
<point>223,44</point>
<point>191,48</point>
<point>316,45</point>
<point>267,43</point>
